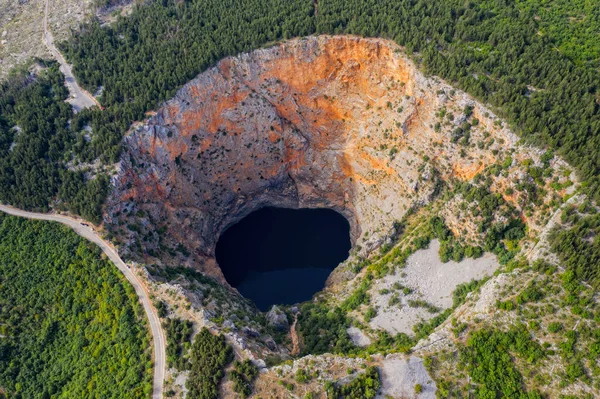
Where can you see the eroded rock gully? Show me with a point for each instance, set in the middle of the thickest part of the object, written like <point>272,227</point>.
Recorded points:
<point>336,122</point>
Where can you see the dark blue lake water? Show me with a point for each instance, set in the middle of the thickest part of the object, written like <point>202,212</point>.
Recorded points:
<point>283,256</point>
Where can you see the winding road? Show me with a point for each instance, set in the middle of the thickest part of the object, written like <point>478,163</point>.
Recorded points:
<point>90,234</point>
<point>80,98</point>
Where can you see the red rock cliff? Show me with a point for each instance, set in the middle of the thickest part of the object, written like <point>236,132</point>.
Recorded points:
<point>336,122</point>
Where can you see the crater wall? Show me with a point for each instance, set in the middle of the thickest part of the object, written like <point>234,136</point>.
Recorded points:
<point>336,122</point>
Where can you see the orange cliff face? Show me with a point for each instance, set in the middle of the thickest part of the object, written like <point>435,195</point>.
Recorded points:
<point>338,122</point>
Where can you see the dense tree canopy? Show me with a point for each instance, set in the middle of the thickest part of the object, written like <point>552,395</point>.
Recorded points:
<point>488,359</point>
<point>578,246</point>
<point>573,25</point>
<point>37,144</point>
<point>70,324</point>
<point>209,356</point>
<point>364,386</point>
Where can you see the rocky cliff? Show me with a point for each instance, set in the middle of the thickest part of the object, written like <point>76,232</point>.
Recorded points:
<point>338,122</point>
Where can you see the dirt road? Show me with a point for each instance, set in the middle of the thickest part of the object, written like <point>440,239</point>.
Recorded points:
<point>80,98</point>
<point>90,234</point>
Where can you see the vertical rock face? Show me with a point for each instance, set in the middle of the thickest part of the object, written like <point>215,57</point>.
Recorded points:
<point>334,122</point>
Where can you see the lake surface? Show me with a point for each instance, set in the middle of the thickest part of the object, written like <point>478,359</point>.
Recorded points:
<point>283,256</point>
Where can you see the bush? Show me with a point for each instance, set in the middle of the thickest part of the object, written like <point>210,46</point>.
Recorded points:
<point>178,336</point>
<point>555,327</point>
<point>418,388</point>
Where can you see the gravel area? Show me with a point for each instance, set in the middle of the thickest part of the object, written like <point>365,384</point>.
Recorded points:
<point>399,377</point>
<point>358,337</point>
<point>429,280</point>
<point>180,381</point>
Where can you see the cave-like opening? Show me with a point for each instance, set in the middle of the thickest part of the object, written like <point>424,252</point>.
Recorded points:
<point>283,256</point>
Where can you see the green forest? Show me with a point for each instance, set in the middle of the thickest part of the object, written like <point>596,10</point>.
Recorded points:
<point>579,254</point>
<point>492,367</point>
<point>70,324</point>
<point>572,25</point>
<point>37,143</point>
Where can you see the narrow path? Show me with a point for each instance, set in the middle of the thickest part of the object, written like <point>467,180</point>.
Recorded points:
<point>80,98</point>
<point>294,334</point>
<point>90,234</point>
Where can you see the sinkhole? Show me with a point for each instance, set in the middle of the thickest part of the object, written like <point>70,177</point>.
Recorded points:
<point>283,256</point>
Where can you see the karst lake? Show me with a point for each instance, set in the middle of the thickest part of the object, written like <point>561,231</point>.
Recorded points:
<point>283,256</point>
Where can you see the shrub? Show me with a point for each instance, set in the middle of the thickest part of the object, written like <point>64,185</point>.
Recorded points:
<point>555,327</point>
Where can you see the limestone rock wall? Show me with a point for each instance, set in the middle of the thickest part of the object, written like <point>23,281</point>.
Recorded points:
<point>331,121</point>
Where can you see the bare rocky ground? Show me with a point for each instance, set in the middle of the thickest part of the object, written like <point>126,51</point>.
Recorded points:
<point>358,337</point>
<point>21,28</point>
<point>541,250</point>
<point>481,306</point>
<point>399,376</point>
<point>321,368</point>
<point>21,31</point>
<point>430,280</point>
<point>352,125</point>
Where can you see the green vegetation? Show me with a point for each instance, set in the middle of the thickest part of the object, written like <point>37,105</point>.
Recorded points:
<point>573,26</point>
<point>462,290</point>
<point>209,356</point>
<point>161,308</point>
<point>178,342</point>
<point>37,143</point>
<point>243,377</point>
<point>490,365</point>
<point>364,386</point>
<point>323,329</point>
<point>302,376</point>
<point>551,346</point>
<point>498,222</point>
<point>70,324</point>
<point>578,245</point>
<point>419,303</point>
<point>360,296</point>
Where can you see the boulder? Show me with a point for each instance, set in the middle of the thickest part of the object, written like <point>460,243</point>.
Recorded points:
<point>277,319</point>
<point>270,342</point>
